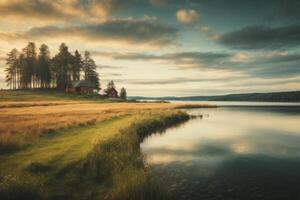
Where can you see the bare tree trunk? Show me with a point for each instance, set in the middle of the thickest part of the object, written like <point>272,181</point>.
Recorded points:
<point>15,77</point>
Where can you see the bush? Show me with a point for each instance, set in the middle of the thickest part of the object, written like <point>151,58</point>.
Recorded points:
<point>16,188</point>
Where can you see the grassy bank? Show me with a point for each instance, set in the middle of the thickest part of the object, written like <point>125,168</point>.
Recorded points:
<point>45,95</point>
<point>52,147</point>
<point>121,161</point>
<point>92,162</point>
<point>27,115</point>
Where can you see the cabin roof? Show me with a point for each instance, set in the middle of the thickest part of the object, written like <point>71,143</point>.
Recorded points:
<point>82,83</point>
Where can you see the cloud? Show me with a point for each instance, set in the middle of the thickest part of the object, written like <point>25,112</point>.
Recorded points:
<point>167,56</point>
<point>111,74</point>
<point>99,10</point>
<point>240,57</point>
<point>284,10</point>
<point>209,32</point>
<point>108,66</point>
<point>2,55</point>
<point>8,37</point>
<point>144,32</point>
<point>180,59</point>
<point>278,57</point>
<point>262,38</point>
<point>179,80</point>
<point>128,56</point>
<point>269,10</point>
<point>268,65</point>
<point>85,10</point>
<point>187,16</point>
<point>33,8</point>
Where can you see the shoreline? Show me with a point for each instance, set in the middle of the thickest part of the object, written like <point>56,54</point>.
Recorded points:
<point>63,148</point>
<point>111,162</point>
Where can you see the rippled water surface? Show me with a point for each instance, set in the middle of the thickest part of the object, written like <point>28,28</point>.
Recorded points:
<point>231,153</point>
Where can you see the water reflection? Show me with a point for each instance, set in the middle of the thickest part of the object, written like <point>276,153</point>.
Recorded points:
<point>232,153</point>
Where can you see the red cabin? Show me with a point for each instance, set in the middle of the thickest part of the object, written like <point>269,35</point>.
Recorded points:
<point>81,87</point>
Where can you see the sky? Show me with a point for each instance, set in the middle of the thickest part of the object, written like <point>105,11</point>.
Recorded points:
<point>167,47</point>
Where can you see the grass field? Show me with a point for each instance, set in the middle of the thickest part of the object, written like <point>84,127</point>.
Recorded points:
<point>44,95</point>
<point>24,121</point>
<point>60,148</point>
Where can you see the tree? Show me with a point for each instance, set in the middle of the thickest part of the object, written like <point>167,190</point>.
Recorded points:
<point>8,77</point>
<point>77,66</point>
<point>12,69</point>
<point>123,93</point>
<point>21,70</point>
<point>29,65</point>
<point>44,64</point>
<point>110,85</point>
<point>29,70</point>
<point>89,69</point>
<point>62,63</point>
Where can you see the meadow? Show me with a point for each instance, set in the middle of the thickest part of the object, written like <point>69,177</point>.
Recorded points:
<point>55,146</point>
<point>27,115</point>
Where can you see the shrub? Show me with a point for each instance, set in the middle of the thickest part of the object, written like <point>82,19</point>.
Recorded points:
<point>16,188</point>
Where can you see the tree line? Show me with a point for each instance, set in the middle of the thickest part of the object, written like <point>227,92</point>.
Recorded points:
<point>32,68</point>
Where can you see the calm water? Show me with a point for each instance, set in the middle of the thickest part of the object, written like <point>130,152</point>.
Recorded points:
<point>231,153</point>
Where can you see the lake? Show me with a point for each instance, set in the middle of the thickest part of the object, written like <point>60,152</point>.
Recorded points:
<point>236,152</point>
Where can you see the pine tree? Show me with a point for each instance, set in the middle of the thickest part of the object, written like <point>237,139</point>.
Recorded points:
<point>110,85</point>
<point>8,77</point>
<point>89,69</point>
<point>12,69</point>
<point>123,93</point>
<point>28,70</point>
<point>29,64</point>
<point>77,66</point>
<point>21,71</point>
<point>44,63</point>
<point>62,63</point>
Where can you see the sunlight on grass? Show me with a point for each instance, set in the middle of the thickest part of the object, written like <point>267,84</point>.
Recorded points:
<point>101,160</point>
<point>89,149</point>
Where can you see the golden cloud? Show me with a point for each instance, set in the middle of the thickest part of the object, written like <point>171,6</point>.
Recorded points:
<point>144,32</point>
<point>58,10</point>
<point>187,16</point>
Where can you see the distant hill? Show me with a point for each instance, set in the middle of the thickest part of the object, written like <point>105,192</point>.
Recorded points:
<point>293,96</point>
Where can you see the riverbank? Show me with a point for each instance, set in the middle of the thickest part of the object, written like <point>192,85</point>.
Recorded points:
<point>89,162</point>
<point>57,147</point>
<point>27,116</point>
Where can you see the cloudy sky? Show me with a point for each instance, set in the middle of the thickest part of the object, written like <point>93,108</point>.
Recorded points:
<point>167,47</point>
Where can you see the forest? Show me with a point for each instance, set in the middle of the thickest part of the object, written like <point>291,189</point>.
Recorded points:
<point>35,68</point>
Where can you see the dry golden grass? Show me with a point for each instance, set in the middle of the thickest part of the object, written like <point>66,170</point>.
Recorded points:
<point>24,121</point>
<point>18,104</point>
<point>90,162</point>
<point>25,116</point>
<point>43,116</point>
